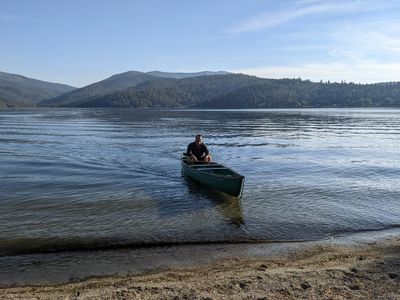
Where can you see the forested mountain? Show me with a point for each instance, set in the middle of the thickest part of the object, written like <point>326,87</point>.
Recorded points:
<point>244,91</point>
<point>115,83</point>
<point>106,86</point>
<point>197,90</point>
<point>288,93</point>
<point>171,93</point>
<point>17,90</point>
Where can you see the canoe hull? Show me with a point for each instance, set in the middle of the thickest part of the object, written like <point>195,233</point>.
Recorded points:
<point>222,178</point>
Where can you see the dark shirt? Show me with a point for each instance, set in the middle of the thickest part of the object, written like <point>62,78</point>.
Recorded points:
<point>198,152</point>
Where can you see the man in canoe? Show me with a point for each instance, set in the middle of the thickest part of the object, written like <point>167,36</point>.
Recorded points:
<point>198,151</point>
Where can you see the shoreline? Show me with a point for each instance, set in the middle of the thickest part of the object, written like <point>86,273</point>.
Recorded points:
<point>361,266</point>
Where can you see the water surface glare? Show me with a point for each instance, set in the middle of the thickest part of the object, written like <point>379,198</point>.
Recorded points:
<point>89,179</point>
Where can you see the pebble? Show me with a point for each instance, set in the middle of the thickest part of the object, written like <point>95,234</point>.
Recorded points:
<point>262,268</point>
<point>393,275</point>
<point>355,287</point>
<point>305,285</point>
<point>354,270</point>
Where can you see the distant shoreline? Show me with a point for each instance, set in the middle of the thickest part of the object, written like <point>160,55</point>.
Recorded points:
<point>197,109</point>
<point>212,90</point>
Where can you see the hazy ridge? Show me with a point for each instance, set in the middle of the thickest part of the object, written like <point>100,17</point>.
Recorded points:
<point>205,89</point>
<point>17,90</point>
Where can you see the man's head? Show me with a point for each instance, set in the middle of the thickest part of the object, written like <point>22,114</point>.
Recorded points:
<point>198,139</point>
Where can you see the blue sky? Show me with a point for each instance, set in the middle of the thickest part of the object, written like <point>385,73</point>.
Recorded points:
<point>79,42</point>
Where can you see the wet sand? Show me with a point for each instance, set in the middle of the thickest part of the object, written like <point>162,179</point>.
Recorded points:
<point>322,271</point>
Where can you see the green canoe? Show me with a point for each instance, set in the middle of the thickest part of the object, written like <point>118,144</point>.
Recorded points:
<point>214,175</point>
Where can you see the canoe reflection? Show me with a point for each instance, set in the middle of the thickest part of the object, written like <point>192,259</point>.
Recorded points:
<point>230,207</point>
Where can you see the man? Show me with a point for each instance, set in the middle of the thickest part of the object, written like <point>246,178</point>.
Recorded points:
<point>197,151</point>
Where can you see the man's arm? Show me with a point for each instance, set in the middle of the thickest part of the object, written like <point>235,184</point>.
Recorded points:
<point>205,150</point>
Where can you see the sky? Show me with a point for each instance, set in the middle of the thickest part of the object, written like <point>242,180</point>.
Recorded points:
<point>79,42</point>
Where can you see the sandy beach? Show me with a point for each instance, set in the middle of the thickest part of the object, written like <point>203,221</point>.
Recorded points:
<point>368,271</point>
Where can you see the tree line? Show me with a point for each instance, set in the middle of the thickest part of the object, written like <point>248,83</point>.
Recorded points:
<point>243,91</point>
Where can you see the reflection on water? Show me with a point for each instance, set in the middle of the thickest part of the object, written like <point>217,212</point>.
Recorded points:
<point>72,179</point>
<point>229,206</point>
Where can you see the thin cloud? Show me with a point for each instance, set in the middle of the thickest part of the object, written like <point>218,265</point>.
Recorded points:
<point>296,10</point>
<point>365,50</point>
<point>361,72</point>
<point>377,36</point>
<point>377,41</point>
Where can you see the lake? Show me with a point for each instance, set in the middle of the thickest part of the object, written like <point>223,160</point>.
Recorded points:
<point>76,179</point>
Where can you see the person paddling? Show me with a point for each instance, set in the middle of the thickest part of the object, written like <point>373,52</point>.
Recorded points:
<point>198,151</point>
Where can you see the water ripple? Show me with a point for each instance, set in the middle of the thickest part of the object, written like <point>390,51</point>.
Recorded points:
<point>89,179</point>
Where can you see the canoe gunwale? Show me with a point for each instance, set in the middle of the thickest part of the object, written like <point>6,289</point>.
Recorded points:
<point>233,176</point>
<point>230,184</point>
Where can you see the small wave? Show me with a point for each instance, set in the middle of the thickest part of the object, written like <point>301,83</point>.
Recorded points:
<point>23,246</point>
<point>26,246</point>
<point>18,246</point>
<point>364,230</point>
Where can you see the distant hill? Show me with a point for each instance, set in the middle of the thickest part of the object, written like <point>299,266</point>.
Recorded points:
<point>116,83</point>
<point>171,93</point>
<point>17,90</point>
<point>296,93</point>
<point>196,90</point>
<point>169,90</point>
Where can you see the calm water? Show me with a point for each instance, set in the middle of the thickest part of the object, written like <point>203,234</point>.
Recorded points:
<point>92,179</point>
